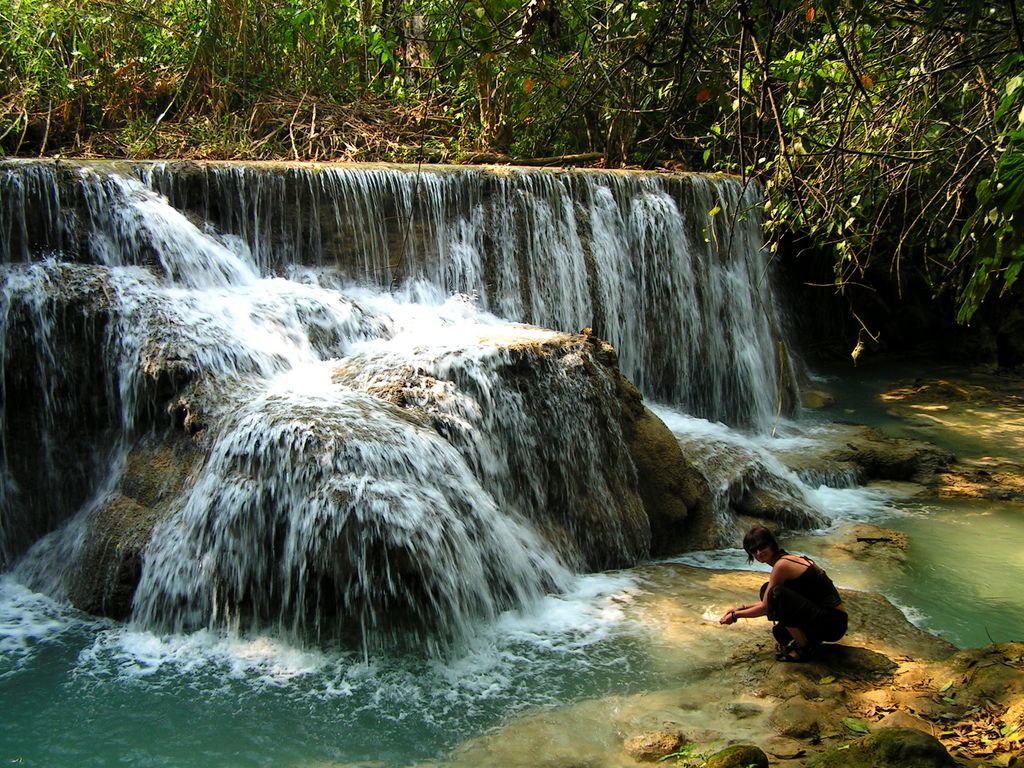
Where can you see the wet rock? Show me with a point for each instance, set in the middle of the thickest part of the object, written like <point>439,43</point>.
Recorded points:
<point>798,719</point>
<point>985,478</point>
<point>864,541</point>
<point>738,756</point>
<point>630,494</point>
<point>866,453</point>
<point>873,616</point>
<point>883,458</point>
<point>156,472</point>
<point>670,488</point>
<point>887,748</point>
<point>746,482</point>
<point>652,746</point>
<point>816,399</point>
<point>781,505</point>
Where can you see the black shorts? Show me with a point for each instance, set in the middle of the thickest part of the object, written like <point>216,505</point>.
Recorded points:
<point>791,609</point>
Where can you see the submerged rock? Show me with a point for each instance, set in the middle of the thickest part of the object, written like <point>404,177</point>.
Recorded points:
<point>653,747</point>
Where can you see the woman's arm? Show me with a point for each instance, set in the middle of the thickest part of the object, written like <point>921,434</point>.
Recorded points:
<point>782,571</point>
<point>744,612</point>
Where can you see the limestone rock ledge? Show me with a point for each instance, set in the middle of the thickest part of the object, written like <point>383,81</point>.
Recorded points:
<point>595,471</point>
<point>861,454</point>
<point>652,504</point>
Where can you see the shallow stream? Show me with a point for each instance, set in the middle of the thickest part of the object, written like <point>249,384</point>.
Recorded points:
<point>964,563</point>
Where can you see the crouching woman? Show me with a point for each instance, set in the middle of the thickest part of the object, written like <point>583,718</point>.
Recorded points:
<point>799,597</point>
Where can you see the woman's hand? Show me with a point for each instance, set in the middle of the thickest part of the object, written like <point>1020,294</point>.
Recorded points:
<point>729,617</point>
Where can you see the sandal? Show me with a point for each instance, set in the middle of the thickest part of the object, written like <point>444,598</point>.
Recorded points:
<point>782,650</point>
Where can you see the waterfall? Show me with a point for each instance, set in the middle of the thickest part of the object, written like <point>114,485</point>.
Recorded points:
<point>671,270</point>
<point>385,426</point>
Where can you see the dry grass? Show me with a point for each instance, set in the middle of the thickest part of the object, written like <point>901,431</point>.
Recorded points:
<point>276,127</point>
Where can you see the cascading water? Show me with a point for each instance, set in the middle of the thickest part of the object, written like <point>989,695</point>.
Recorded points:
<point>375,466</point>
<point>670,270</point>
<point>301,403</point>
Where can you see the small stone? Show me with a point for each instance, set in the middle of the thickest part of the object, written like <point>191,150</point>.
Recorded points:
<point>742,711</point>
<point>816,399</point>
<point>651,746</point>
<point>797,719</point>
<point>901,719</point>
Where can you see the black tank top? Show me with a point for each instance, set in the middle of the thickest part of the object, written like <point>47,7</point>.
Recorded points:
<point>815,584</point>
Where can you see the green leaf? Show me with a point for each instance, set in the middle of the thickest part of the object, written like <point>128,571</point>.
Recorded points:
<point>1011,274</point>
<point>826,680</point>
<point>715,211</point>
<point>856,725</point>
<point>946,687</point>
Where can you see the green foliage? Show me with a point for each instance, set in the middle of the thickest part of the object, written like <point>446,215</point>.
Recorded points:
<point>685,757</point>
<point>93,66</point>
<point>856,725</point>
<point>992,238</point>
<point>888,134</point>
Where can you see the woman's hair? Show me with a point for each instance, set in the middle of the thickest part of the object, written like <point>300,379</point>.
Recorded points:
<point>757,537</point>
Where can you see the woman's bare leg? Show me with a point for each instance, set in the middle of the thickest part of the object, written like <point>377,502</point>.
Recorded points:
<point>799,637</point>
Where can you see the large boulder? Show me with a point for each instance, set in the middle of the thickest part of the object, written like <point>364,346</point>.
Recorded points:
<point>887,748</point>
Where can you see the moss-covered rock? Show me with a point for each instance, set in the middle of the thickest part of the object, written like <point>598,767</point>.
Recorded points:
<point>738,756</point>
<point>887,748</point>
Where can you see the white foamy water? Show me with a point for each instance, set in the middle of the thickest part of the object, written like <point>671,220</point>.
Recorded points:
<point>671,270</point>
<point>559,648</point>
<point>368,473</point>
<point>28,622</point>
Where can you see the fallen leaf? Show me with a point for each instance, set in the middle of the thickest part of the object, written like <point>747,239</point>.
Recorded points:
<point>855,725</point>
